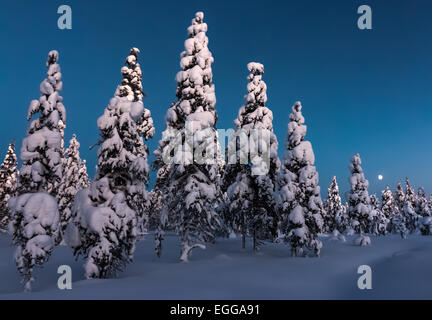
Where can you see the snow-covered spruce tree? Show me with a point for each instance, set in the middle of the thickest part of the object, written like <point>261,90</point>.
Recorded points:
<point>240,201</point>
<point>399,197</point>
<point>8,184</point>
<point>422,205</point>
<point>35,214</point>
<point>409,212</point>
<point>424,223</point>
<point>359,209</point>
<point>74,179</point>
<point>398,224</point>
<point>191,188</point>
<point>430,202</point>
<point>389,207</point>
<point>161,187</point>
<point>131,87</point>
<point>41,150</point>
<point>335,217</point>
<point>388,203</point>
<point>379,220</point>
<point>399,221</point>
<point>159,195</point>
<point>155,210</point>
<point>108,213</point>
<point>251,203</point>
<point>35,231</point>
<point>299,194</point>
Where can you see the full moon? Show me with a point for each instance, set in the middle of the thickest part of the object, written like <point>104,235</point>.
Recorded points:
<point>380,177</point>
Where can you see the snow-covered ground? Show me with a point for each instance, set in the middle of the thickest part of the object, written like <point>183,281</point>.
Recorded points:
<point>402,269</point>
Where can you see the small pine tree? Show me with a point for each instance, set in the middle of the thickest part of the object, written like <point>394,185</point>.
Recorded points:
<point>160,193</point>
<point>240,196</point>
<point>8,184</point>
<point>358,198</point>
<point>379,220</point>
<point>299,194</point>
<point>155,210</point>
<point>157,195</point>
<point>422,205</point>
<point>423,211</point>
<point>389,208</point>
<point>409,212</point>
<point>109,212</point>
<point>398,224</point>
<point>335,218</point>
<point>430,203</point>
<point>74,179</point>
<point>36,231</point>
<point>251,202</point>
<point>399,197</point>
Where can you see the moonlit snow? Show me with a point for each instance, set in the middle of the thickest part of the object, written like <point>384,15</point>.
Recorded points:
<point>400,270</point>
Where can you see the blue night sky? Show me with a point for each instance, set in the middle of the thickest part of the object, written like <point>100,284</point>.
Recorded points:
<point>365,91</point>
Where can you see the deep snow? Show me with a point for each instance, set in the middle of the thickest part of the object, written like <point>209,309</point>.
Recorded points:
<point>401,270</point>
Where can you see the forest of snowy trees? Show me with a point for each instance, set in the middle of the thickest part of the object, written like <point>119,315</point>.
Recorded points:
<point>201,193</point>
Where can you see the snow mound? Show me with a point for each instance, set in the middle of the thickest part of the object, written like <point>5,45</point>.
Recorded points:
<point>362,241</point>
<point>337,236</point>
